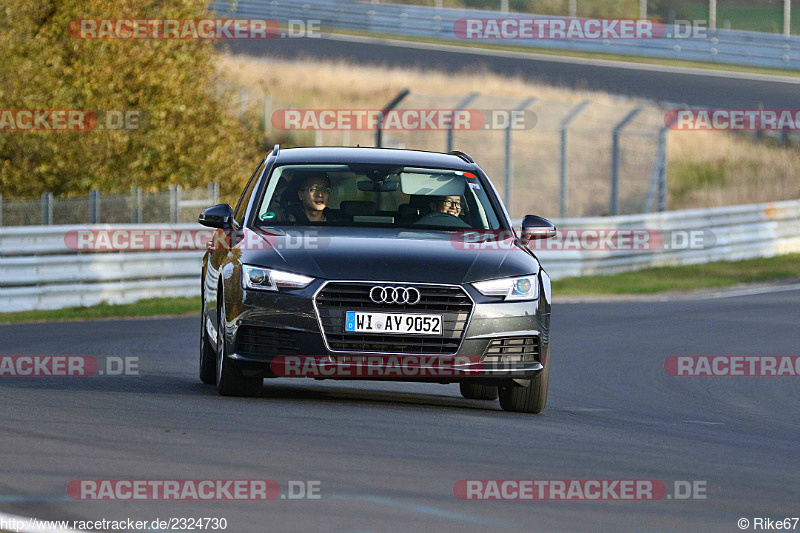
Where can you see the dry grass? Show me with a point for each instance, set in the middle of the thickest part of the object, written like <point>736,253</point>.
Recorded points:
<point>705,169</point>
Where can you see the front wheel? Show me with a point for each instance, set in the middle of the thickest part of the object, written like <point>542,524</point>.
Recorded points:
<point>471,391</point>
<point>230,381</point>
<point>530,399</point>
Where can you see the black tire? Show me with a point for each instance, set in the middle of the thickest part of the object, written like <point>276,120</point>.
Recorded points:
<point>531,399</point>
<point>470,391</point>
<point>208,355</point>
<point>229,379</point>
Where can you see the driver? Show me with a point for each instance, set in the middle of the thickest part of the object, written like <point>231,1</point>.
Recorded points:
<point>447,204</point>
<point>313,194</point>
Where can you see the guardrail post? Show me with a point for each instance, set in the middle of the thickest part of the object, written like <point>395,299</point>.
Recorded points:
<point>509,162</point>
<point>391,105</point>
<point>615,158</point>
<point>563,167</point>
<point>174,203</point>
<point>94,201</point>
<point>461,105</point>
<point>47,209</point>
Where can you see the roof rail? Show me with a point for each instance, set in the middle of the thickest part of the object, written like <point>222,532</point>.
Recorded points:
<point>463,155</point>
<point>276,150</point>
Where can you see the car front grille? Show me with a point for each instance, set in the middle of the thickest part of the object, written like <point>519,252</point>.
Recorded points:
<point>513,349</point>
<point>257,340</point>
<point>336,298</point>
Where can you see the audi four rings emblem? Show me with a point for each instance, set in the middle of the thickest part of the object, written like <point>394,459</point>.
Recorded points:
<point>394,295</point>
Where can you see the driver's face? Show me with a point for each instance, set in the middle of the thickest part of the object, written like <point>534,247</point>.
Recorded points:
<point>449,204</point>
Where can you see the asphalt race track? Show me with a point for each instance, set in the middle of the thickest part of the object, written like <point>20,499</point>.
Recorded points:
<point>388,455</point>
<point>695,89</point>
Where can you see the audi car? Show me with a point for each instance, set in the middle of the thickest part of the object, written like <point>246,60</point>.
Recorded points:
<point>379,264</point>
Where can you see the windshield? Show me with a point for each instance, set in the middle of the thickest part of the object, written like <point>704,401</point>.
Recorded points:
<point>375,195</point>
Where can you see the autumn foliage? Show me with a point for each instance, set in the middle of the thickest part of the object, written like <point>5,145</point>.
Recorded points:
<point>185,135</point>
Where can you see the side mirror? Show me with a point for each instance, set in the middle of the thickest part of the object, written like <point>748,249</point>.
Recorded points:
<point>218,216</point>
<point>534,227</point>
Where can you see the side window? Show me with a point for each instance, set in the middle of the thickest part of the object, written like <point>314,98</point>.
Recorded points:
<point>241,207</point>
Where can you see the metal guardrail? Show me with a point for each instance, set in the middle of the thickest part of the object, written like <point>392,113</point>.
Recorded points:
<point>721,46</point>
<point>39,271</point>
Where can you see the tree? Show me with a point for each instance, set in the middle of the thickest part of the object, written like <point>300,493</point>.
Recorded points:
<point>186,137</point>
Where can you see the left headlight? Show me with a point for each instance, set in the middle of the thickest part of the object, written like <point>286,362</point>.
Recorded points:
<point>268,279</point>
<point>523,288</point>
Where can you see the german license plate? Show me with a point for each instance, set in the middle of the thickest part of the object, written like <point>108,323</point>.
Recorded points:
<point>392,323</point>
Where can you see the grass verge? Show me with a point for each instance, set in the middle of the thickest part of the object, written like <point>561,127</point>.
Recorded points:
<point>683,278</point>
<point>152,307</point>
<point>653,280</point>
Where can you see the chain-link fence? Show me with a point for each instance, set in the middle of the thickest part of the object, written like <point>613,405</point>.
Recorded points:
<point>580,158</point>
<point>174,206</point>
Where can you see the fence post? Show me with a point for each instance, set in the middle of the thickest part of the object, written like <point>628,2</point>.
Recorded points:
<point>562,204</point>
<point>174,203</point>
<point>267,115</point>
<point>509,162</point>
<point>242,102</point>
<point>136,205</point>
<point>213,193</point>
<point>787,17</point>
<point>391,105</point>
<point>712,15</point>
<point>659,176</point>
<point>461,105</point>
<point>662,181</point>
<point>47,209</point>
<point>615,158</point>
<point>94,212</point>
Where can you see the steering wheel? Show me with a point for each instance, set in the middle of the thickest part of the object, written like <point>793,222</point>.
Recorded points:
<point>441,219</point>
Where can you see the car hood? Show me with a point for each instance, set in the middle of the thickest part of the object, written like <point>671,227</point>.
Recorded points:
<point>378,254</point>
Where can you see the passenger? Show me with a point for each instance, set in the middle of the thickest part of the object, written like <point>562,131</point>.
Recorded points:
<point>447,204</point>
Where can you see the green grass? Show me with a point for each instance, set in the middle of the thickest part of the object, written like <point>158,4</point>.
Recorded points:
<point>653,280</point>
<point>153,307</point>
<point>683,278</point>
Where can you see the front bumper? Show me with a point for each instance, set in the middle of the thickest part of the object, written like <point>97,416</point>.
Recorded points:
<point>287,325</point>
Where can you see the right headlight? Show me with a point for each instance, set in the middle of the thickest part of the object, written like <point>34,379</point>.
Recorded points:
<point>512,289</point>
<point>268,279</point>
